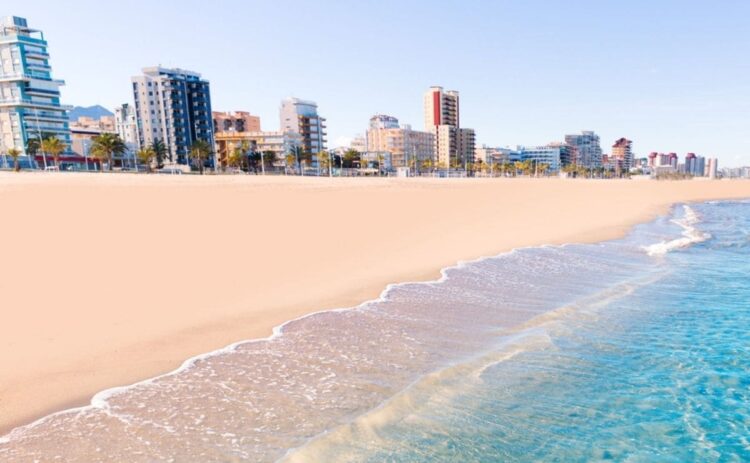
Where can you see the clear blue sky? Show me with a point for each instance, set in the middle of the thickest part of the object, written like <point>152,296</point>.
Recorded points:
<point>669,75</point>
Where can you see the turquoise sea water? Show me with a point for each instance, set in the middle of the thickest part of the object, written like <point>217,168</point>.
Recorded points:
<point>655,369</point>
<point>631,350</point>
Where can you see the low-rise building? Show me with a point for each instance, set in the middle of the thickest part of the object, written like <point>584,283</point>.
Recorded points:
<point>402,143</point>
<point>278,143</point>
<point>550,155</point>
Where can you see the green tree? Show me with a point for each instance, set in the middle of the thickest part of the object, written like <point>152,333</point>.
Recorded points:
<point>245,152</point>
<point>324,162</point>
<point>53,146</point>
<point>380,159</point>
<point>160,152</point>
<point>270,158</point>
<point>299,154</point>
<point>106,146</point>
<point>14,154</point>
<point>291,161</point>
<point>200,152</point>
<point>146,156</point>
<point>351,157</point>
<point>542,168</point>
<point>236,158</point>
<point>33,146</point>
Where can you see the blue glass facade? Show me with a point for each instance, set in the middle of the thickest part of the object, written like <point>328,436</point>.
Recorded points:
<point>173,106</point>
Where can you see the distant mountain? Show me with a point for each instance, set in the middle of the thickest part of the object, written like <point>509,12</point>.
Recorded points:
<point>94,112</point>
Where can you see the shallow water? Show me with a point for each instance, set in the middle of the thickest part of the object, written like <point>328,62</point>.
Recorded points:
<point>635,350</point>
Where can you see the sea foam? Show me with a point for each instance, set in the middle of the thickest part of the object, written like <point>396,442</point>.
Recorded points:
<point>690,235</point>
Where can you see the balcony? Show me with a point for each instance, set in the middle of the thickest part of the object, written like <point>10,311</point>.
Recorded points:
<point>15,77</point>
<point>47,117</point>
<point>10,102</point>
<point>37,54</point>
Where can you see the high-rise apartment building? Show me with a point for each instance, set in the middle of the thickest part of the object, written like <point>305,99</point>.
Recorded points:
<point>453,144</point>
<point>622,154</point>
<point>712,168</point>
<point>173,106</point>
<point>239,121</point>
<point>402,143</point>
<point>441,108</point>
<point>695,165</point>
<point>588,151</point>
<point>29,97</point>
<point>301,118</point>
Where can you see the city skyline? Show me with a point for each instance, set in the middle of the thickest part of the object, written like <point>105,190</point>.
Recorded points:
<point>668,81</point>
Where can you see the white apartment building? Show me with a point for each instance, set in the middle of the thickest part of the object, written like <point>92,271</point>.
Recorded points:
<point>173,106</point>
<point>301,117</point>
<point>126,126</point>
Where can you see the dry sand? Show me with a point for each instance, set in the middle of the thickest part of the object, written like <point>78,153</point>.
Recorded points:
<point>109,279</point>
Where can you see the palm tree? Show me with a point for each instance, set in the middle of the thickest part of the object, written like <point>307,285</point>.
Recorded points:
<point>306,158</point>
<point>146,156</point>
<point>270,158</point>
<point>200,152</point>
<point>290,159</point>
<point>106,146</point>
<point>542,168</point>
<point>160,152</point>
<point>14,153</point>
<point>324,161</point>
<point>297,152</point>
<point>55,147</point>
<point>235,158</point>
<point>33,146</point>
<point>350,157</point>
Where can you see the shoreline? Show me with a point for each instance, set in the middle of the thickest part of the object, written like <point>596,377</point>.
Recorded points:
<point>222,329</point>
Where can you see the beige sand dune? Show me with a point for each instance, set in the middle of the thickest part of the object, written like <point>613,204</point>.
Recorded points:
<point>108,279</point>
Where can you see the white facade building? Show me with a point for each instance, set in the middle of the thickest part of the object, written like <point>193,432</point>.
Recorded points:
<point>301,117</point>
<point>126,126</point>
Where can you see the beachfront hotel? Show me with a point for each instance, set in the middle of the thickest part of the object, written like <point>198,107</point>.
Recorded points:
<point>29,97</point>
<point>173,106</point>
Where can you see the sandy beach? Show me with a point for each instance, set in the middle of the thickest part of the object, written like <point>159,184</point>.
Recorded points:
<point>110,279</point>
